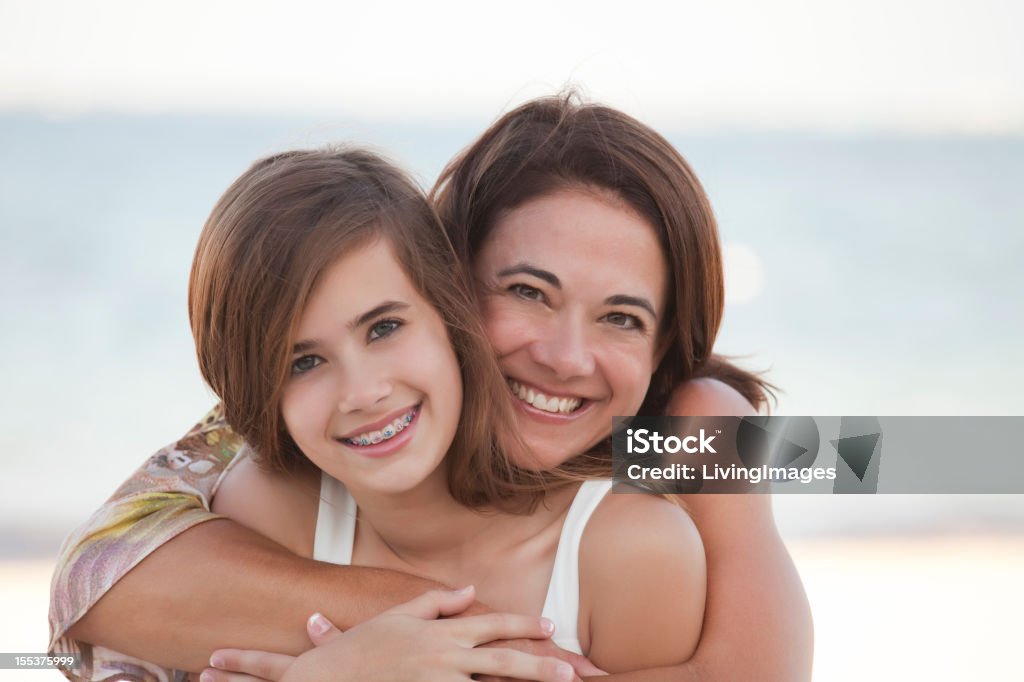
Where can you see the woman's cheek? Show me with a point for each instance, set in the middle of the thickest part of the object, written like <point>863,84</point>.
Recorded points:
<point>508,325</point>
<point>629,370</point>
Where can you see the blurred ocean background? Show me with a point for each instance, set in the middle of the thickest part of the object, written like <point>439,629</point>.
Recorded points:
<point>868,274</point>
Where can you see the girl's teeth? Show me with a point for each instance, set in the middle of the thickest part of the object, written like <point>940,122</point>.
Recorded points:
<point>388,432</point>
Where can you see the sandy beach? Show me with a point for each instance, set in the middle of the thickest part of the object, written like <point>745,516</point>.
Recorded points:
<point>910,608</point>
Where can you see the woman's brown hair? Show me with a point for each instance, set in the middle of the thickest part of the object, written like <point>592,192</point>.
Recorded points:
<point>559,142</point>
<point>262,252</point>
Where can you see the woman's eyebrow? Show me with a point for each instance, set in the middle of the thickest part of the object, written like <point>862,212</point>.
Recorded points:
<point>527,269</point>
<point>638,301</point>
<point>382,309</point>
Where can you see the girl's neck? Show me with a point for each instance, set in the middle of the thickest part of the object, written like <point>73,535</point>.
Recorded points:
<point>421,524</point>
<point>431,533</point>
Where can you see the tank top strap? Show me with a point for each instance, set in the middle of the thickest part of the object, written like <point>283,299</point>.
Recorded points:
<point>335,523</point>
<point>562,603</point>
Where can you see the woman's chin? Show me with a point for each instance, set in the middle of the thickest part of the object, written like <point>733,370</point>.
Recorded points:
<point>542,456</point>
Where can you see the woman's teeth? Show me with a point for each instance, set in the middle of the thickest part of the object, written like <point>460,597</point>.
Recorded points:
<point>543,402</point>
<point>387,433</point>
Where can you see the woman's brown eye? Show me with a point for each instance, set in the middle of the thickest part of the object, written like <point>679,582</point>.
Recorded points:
<point>624,321</point>
<point>527,292</point>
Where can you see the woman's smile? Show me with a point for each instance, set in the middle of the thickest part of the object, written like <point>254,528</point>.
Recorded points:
<point>545,401</point>
<point>575,282</point>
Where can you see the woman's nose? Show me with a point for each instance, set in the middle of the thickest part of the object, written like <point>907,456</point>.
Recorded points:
<point>563,348</point>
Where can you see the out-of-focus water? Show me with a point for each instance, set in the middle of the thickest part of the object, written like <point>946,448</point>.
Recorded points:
<point>891,283</point>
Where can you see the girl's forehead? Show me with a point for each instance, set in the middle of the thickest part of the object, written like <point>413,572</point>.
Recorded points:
<point>358,280</point>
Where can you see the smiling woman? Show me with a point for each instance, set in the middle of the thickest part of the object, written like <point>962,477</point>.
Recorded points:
<point>574,289</point>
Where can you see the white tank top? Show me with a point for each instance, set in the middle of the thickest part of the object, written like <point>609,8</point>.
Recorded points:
<point>336,532</point>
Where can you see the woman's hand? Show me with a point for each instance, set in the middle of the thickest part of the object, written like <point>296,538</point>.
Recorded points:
<point>407,643</point>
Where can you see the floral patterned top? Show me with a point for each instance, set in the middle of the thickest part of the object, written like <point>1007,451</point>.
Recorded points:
<point>169,494</point>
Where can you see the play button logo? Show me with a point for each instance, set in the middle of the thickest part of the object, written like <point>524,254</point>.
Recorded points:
<point>778,441</point>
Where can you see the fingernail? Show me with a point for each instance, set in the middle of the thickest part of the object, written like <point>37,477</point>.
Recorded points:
<point>216,662</point>
<point>463,591</point>
<point>565,671</point>
<point>317,624</point>
<point>547,626</point>
<point>206,676</point>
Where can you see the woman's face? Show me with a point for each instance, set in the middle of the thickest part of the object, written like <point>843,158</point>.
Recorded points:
<point>375,392</point>
<point>575,286</point>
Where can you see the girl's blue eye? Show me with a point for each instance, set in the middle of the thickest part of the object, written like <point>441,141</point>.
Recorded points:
<point>526,292</point>
<point>384,328</point>
<point>305,363</point>
<point>624,321</point>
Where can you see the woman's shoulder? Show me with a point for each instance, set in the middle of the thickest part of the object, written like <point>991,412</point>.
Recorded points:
<point>280,506</point>
<point>642,583</point>
<point>707,397</point>
<point>649,524</point>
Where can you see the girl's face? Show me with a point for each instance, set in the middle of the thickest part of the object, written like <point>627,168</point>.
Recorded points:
<point>575,288</point>
<point>375,393</point>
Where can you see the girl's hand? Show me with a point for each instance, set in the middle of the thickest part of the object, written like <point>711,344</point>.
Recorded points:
<point>405,644</point>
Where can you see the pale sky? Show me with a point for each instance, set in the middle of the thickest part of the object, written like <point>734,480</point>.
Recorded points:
<point>906,66</point>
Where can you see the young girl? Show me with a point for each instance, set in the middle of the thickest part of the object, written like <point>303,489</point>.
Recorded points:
<point>330,318</point>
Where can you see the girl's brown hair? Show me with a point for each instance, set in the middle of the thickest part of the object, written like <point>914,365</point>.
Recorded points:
<point>262,252</point>
<point>559,142</point>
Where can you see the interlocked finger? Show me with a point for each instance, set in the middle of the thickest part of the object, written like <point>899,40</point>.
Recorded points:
<point>475,630</point>
<point>515,664</point>
<point>260,665</point>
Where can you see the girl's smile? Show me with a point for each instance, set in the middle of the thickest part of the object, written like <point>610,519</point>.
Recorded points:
<point>384,436</point>
<point>376,392</point>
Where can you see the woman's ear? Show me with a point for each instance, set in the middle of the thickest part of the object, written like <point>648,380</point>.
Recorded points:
<point>665,341</point>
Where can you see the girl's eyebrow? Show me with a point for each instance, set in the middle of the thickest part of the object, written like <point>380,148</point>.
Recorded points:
<point>355,323</point>
<point>638,301</point>
<point>303,346</point>
<point>527,269</point>
<point>382,309</point>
